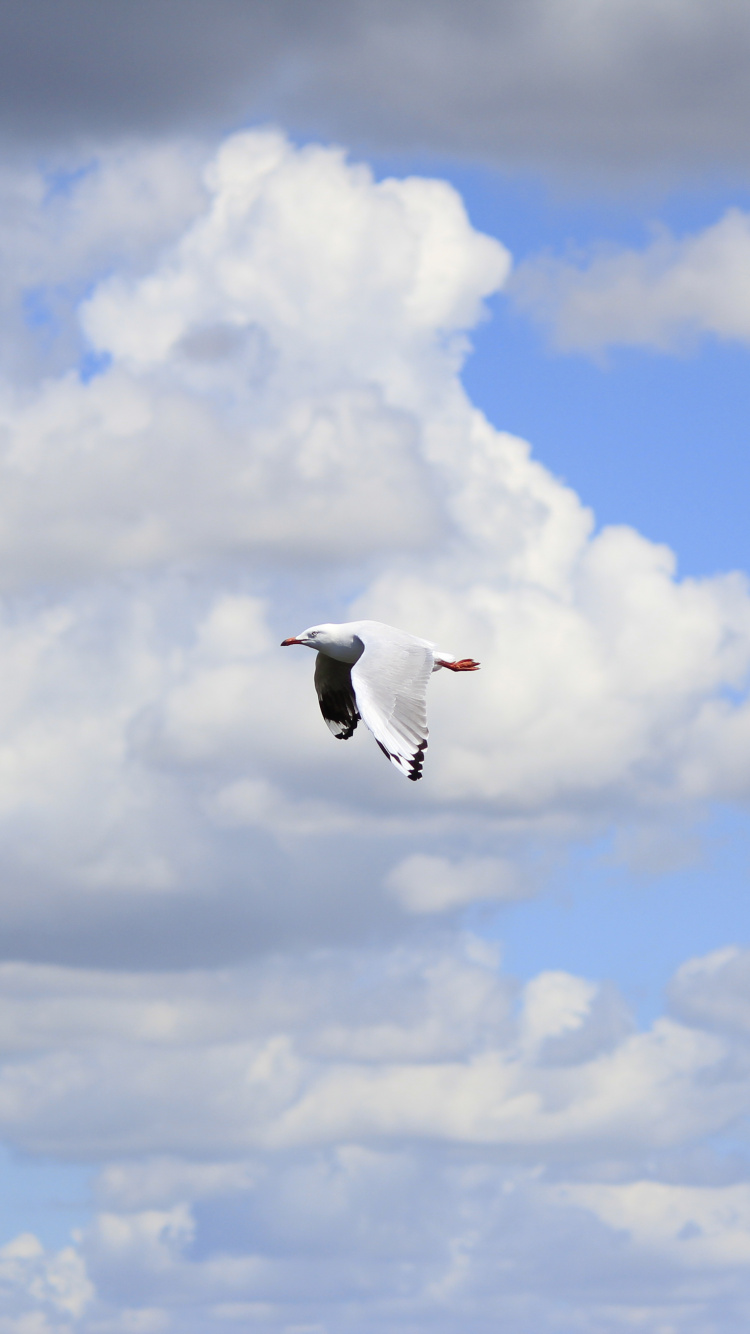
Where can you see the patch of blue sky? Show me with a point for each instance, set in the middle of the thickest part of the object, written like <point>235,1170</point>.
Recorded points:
<point>61,182</point>
<point>734,694</point>
<point>93,363</point>
<point>38,312</point>
<point>42,1196</point>
<point>733,1148</point>
<point>49,312</point>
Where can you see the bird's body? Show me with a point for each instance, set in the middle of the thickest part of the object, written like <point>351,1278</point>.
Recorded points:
<point>369,670</point>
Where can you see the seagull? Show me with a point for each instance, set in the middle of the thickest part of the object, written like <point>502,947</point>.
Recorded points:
<point>370,671</point>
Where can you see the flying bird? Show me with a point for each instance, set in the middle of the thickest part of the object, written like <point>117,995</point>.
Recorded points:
<point>370,671</point>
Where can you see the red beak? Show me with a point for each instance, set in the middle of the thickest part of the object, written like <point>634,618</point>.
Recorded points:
<point>284,642</point>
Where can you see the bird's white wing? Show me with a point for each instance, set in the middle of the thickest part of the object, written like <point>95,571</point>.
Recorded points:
<point>333,682</point>
<point>390,685</point>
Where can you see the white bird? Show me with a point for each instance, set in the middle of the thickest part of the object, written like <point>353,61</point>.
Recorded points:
<point>368,670</point>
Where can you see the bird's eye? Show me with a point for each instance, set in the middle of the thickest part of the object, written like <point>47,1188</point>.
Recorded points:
<point>312,634</point>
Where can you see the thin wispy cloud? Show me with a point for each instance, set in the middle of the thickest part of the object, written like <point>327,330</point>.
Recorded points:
<point>664,296</point>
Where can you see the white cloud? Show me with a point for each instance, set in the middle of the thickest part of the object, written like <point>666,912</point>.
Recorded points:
<point>425,884</point>
<point>714,991</point>
<point>663,296</point>
<point>66,224</point>
<point>47,1285</point>
<point>691,1226</point>
<point>266,375</point>
<point>555,1004</point>
<point>259,257</point>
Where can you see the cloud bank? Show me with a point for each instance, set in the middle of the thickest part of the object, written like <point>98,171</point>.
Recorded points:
<point>448,1151</point>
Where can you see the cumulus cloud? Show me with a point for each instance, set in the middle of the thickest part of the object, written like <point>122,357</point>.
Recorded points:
<point>248,382</point>
<point>68,222</point>
<point>662,297</point>
<point>713,991</point>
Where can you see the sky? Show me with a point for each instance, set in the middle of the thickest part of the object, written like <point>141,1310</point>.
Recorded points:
<point>436,314</point>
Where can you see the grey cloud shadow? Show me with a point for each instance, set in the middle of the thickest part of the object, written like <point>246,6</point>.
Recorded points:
<point>261,902</point>
<point>628,88</point>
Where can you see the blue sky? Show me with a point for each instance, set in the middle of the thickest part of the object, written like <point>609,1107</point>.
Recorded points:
<point>435,314</point>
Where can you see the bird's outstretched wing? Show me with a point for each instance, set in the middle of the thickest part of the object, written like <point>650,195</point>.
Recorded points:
<point>333,682</point>
<point>390,686</point>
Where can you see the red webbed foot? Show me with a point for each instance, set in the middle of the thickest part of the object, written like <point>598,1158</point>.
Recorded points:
<point>463,665</point>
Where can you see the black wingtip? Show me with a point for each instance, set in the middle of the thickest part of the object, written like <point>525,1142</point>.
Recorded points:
<point>344,736</point>
<point>415,772</point>
<point>415,767</point>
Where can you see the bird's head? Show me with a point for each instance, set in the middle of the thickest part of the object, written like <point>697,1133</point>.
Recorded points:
<point>316,637</point>
<point>335,641</point>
